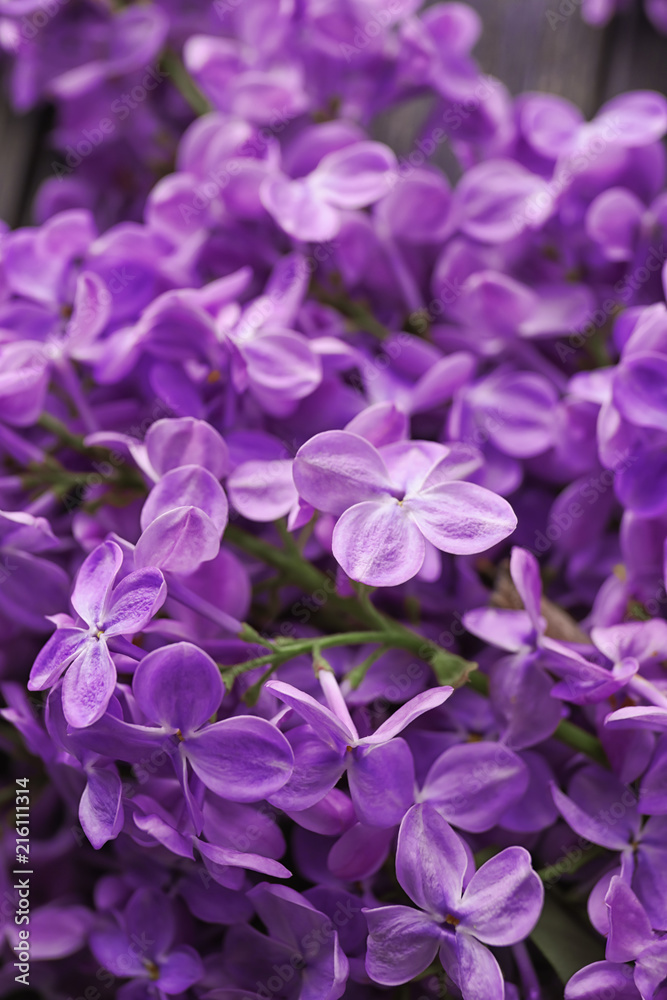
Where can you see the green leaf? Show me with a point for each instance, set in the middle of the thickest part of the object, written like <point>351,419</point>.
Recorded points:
<point>566,943</point>
<point>451,669</point>
<point>357,674</point>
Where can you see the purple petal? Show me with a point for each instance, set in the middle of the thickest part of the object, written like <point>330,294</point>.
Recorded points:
<point>180,969</point>
<point>298,209</point>
<point>179,540</point>
<point>653,788</point>
<point>89,684</point>
<point>602,979</point>
<point>640,390</point>
<point>521,696</point>
<point>651,970</point>
<point>503,900</point>
<point>642,484</point>
<point>597,797</point>
<point>38,588</point>
<point>629,926</point>
<point>431,861</point>
<point>335,470</point>
<point>382,780</point>
<point>134,602</point>
<point>473,784</point>
<point>317,768</point>
<point>355,176</point>
<point>113,950</point>
<point>94,582</point>
<point>189,485</point>
<point>380,423</point>
<point>282,368</point>
<point>461,461</point>
<point>100,808</point>
<point>506,629</point>
<point>376,543</point>
<point>536,809</point>
<point>637,118</point>
<point>479,974</point>
<point>613,220</point>
<point>409,463</point>
<point>178,687</point>
<point>402,717</point>
<point>401,943</point>
<point>59,931</point>
<point>549,123</point>
<point>321,718</point>
<point>518,410</point>
<point>498,199</point>
<point>462,518</point>
<point>54,657</point>
<point>525,572</point>
<point>149,909</point>
<point>644,717</point>
<point>332,816</point>
<point>90,314</point>
<point>650,876</point>
<point>360,852</point>
<point>243,759</point>
<point>151,820</point>
<point>112,737</point>
<point>227,856</point>
<point>24,380</point>
<point>172,443</point>
<point>263,491</point>
<point>441,381</point>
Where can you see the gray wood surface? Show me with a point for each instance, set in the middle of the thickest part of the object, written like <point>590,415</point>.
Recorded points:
<point>20,142</point>
<point>527,51</point>
<point>521,45</point>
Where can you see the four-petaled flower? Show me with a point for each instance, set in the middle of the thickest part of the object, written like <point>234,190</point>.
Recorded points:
<point>460,912</point>
<point>105,611</point>
<point>393,502</point>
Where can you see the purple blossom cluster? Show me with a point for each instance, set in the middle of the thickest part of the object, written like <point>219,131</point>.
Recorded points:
<point>600,12</point>
<point>333,517</point>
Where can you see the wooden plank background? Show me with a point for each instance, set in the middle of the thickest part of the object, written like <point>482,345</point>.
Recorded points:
<point>518,45</point>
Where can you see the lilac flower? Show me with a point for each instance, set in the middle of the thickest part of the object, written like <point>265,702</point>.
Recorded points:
<point>460,912</point>
<point>139,946</point>
<point>390,503</point>
<point>182,520</point>
<point>100,806</point>
<point>603,810</point>
<point>281,312</point>
<point>630,939</point>
<point>302,940</point>
<point>105,611</point>
<point>522,632</point>
<point>30,585</point>
<point>379,767</point>
<point>178,689</point>
<point>592,980</point>
<point>309,208</point>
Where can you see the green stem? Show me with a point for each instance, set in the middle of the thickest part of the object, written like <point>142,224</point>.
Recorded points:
<point>60,430</point>
<point>287,539</point>
<point>449,669</point>
<point>181,79</point>
<point>362,317</point>
<point>357,674</point>
<point>577,738</point>
<point>554,872</point>
<point>289,650</point>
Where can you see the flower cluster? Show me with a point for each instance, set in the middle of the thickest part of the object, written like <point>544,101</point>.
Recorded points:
<point>333,516</point>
